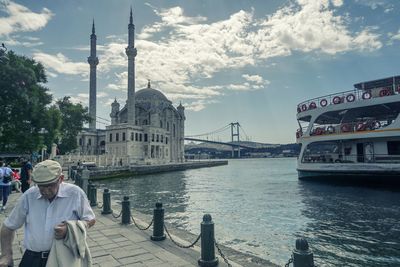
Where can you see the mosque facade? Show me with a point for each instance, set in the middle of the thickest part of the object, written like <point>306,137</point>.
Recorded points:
<point>148,129</point>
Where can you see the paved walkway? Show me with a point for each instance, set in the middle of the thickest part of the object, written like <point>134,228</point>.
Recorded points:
<point>112,244</point>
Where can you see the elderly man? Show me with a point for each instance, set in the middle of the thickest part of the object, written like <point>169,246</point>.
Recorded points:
<point>43,209</point>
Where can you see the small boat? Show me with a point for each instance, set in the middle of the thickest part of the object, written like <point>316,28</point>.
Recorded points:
<point>352,135</point>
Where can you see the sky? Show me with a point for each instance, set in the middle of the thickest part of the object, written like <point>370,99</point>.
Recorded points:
<point>226,61</point>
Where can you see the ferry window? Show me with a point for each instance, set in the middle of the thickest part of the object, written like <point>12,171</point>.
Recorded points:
<point>321,152</point>
<point>393,147</point>
<point>158,138</point>
<point>145,137</point>
<point>132,136</point>
<point>140,137</point>
<point>117,137</point>
<point>136,137</point>
<point>110,137</point>
<point>123,136</point>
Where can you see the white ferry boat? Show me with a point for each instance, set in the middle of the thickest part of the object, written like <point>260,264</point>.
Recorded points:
<point>352,135</point>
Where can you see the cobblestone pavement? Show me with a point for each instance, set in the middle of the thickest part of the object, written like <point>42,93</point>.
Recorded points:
<point>112,244</point>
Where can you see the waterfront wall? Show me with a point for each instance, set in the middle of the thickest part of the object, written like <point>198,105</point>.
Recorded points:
<point>124,171</point>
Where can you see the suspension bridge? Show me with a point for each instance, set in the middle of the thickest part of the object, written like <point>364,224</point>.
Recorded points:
<point>235,131</point>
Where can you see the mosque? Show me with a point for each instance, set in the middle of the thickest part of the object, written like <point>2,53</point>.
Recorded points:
<point>148,129</point>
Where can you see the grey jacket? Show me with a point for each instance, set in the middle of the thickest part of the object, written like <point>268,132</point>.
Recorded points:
<point>72,251</point>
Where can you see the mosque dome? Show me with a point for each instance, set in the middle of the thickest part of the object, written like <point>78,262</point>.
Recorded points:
<point>149,94</point>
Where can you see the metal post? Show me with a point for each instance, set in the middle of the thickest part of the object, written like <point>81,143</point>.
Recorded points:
<point>158,223</point>
<point>302,255</point>
<point>126,211</point>
<point>106,202</point>
<point>85,179</point>
<point>93,193</point>
<point>208,258</point>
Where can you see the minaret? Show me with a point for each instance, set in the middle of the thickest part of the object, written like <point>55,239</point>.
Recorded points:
<point>93,61</point>
<point>131,53</point>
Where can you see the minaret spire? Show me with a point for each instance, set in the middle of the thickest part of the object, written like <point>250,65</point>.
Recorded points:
<point>93,61</point>
<point>131,53</point>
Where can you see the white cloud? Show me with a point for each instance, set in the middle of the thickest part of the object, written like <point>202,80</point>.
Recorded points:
<point>61,64</point>
<point>395,36</point>
<point>21,19</point>
<point>253,78</point>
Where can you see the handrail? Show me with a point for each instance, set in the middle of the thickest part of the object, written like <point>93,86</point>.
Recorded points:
<point>344,97</point>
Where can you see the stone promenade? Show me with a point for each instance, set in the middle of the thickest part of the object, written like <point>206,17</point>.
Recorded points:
<point>112,244</point>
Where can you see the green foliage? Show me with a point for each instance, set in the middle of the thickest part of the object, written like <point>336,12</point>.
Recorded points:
<point>27,120</point>
<point>73,116</point>
<point>23,104</point>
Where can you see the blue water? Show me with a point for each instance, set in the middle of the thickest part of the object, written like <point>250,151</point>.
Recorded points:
<point>260,207</point>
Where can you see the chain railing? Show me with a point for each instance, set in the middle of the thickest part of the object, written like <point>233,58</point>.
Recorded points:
<point>301,255</point>
<point>222,254</point>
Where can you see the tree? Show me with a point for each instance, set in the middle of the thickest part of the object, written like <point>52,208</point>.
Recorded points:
<point>73,116</point>
<point>24,104</point>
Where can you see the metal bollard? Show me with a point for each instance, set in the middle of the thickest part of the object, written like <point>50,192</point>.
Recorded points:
<point>85,179</point>
<point>302,255</point>
<point>106,202</point>
<point>93,193</point>
<point>158,223</point>
<point>126,211</point>
<point>208,258</point>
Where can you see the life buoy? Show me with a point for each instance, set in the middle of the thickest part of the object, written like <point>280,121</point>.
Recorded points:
<point>366,95</point>
<point>298,134</point>
<point>319,131</point>
<point>360,126</point>
<point>376,125</point>
<point>298,109</point>
<point>304,107</point>
<point>330,129</point>
<point>323,102</point>
<point>312,105</point>
<point>336,100</point>
<point>350,97</point>
<point>345,128</point>
<point>384,92</point>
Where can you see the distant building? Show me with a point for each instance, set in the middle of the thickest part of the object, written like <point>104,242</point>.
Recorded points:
<point>147,129</point>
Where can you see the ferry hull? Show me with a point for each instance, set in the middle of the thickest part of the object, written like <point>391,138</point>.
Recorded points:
<point>370,177</point>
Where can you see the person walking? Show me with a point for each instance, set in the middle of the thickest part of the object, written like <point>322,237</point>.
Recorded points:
<point>5,183</point>
<point>26,172</point>
<point>43,210</point>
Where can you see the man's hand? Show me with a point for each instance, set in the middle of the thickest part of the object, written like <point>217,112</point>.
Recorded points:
<point>6,261</point>
<point>60,231</point>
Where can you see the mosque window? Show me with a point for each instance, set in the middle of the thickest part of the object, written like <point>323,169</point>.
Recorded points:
<point>135,122</point>
<point>89,142</point>
<point>110,137</point>
<point>80,141</point>
<point>145,137</point>
<point>161,124</point>
<point>136,137</point>
<point>173,129</point>
<point>166,140</point>
<point>158,138</point>
<point>123,137</point>
<point>166,152</point>
<point>131,136</point>
<point>162,138</point>
<point>144,122</point>
<point>117,137</point>
<point>152,137</point>
<point>140,137</point>
<point>167,126</point>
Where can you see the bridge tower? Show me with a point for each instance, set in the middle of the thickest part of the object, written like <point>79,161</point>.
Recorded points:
<point>235,135</point>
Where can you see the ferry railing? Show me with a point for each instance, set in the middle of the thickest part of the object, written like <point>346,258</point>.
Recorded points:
<point>301,256</point>
<point>345,97</point>
<point>348,159</point>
